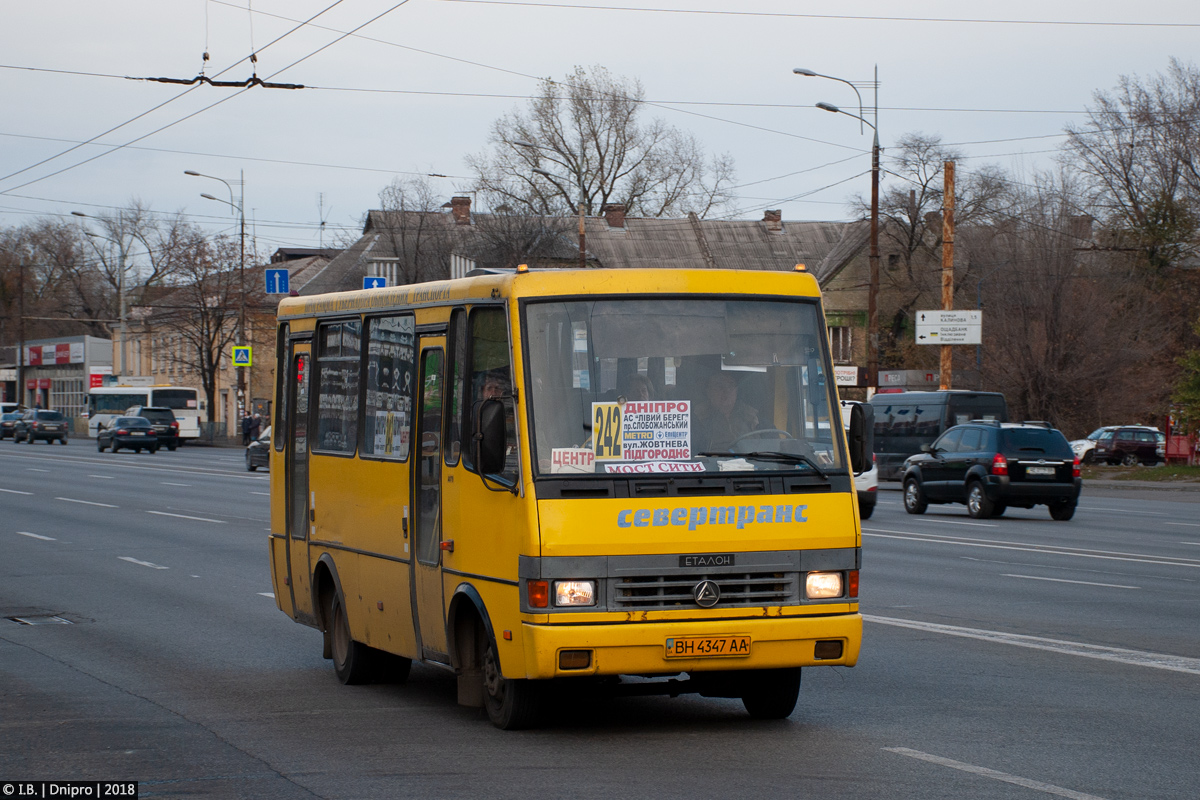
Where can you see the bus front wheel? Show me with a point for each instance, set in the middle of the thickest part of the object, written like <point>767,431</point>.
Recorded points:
<point>351,659</point>
<point>511,704</point>
<point>772,693</point>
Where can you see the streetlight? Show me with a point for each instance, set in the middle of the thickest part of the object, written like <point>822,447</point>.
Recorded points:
<point>579,205</point>
<point>240,209</point>
<point>873,287</point>
<point>120,243</point>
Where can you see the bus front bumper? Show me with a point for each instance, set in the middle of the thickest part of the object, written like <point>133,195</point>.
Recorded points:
<point>640,648</point>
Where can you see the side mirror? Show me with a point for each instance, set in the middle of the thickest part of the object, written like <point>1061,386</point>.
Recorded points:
<point>861,436</point>
<point>490,437</point>
<point>926,448</point>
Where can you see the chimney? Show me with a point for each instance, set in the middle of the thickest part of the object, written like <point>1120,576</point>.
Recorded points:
<point>614,214</point>
<point>774,220</point>
<point>460,208</point>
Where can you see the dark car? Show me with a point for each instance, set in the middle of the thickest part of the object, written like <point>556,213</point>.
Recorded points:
<point>8,422</point>
<point>258,452</point>
<point>162,419</point>
<point>991,466</point>
<point>1130,445</point>
<point>134,433</point>
<point>37,423</point>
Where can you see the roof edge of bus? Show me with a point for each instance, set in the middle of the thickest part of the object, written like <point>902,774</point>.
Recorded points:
<point>492,283</point>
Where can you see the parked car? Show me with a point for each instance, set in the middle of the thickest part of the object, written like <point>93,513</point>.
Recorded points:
<point>1130,445</point>
<point>162,419</point>
<point>8,422</point>
<point>134,433</point>
<point>1085,448</point>
<point>991,466</point>
<point>258,452</point>
<point>866,483</point>
<point>39,423</point>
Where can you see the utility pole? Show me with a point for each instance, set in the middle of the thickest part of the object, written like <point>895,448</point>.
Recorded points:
<point>947,365</point>
<point>21,330</point>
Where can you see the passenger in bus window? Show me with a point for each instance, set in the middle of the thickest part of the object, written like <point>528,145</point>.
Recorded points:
<point>637,387</point>
<point>722,417</point>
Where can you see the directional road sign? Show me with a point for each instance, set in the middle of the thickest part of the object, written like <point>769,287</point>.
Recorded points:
<point>277,281</point>
<point>375,283</point>
<point>242,356</point>
<point>949,327</point>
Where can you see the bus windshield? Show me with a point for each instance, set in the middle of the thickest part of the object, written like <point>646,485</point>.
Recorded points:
<point>680,386</point>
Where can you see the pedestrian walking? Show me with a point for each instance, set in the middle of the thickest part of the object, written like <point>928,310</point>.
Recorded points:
<point>247,422</point>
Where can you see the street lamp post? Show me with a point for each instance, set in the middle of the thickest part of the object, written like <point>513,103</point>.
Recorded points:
<point>873,286</point>
<point>121,255</point>
<point>240,209</point>
<point>579,206</point>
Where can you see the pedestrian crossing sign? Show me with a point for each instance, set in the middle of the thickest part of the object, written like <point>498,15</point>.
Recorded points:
<point>242,356</point>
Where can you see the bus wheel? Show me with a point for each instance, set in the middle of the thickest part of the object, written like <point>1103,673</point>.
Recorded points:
<point>771,693</point>
<point>350,658</point>
<point>511,704</point>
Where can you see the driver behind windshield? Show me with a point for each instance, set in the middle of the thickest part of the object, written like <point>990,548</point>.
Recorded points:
<point>721,417</point>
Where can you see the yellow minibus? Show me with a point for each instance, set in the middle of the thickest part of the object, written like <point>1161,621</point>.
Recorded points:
<point>634,479</point>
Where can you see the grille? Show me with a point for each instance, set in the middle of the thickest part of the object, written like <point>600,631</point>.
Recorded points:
<point>738,589</point>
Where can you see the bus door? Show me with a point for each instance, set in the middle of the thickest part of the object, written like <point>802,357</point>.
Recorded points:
<point>428,602</point>
<point>296,479</point>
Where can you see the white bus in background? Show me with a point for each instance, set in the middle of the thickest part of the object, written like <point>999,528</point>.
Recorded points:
<point>106,403</point>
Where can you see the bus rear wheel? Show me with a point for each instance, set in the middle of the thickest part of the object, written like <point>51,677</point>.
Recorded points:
<point>772,693</point>
<point>511,704</point>
<point>351,659</point>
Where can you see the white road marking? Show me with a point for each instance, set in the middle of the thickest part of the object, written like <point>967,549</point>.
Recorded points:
<point>165,483</point>
<point>957,522</point>
<point>142,563</point>
<point>264,494</point>
<point>103,477</point>
<point>1122,511</point>
<point>185,516</point>
<point>37,536</point>
<point>1047,788</point>
<point>1195,543</point>
<point>14,491</point>
<point>995,544</point>
<point>1136,658</point>
<point>268,594</point>
<point>86,502</point>
<point>1064,580</point>
<point>1184,524</point>
<point>31,469</point>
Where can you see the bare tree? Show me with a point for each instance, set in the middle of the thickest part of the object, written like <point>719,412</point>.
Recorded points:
<point>413,230</point>
<point>590,139</point>
<point>505,239</point>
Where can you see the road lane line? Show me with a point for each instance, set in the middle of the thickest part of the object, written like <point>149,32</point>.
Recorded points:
<point>86,502</point>
<point>1064,580</point>
<point>185,516</point>
<point>142,563</point>
<point>996,544</point>
<point>1028,783</point>
<point>1122,511</point>
<point>37,536</point>
<point>1184,524</point>
<point>268,594</point>
<point>264,494</point>
<point>1120,655</point>
<point>103,477</point>
<point>165,483</point>
<point>31,469</point>
<point>958,522</point>
<point>14,491</point>
<point>1195,543</point>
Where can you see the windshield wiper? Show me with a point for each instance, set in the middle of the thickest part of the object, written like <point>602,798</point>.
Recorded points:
<point>779,458</point>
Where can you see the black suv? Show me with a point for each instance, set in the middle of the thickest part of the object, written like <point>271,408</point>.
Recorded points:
<point>163,421</point>
<point>990,466</point>
<point>36,423</point>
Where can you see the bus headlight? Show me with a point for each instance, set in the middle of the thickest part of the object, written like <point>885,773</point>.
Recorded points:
<point>823,585</point>
<point>574,593</point>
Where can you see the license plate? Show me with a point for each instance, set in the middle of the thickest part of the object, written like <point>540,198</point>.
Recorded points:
<point>137,433</point>
<point>1039,470</point>
<point>708,646</point>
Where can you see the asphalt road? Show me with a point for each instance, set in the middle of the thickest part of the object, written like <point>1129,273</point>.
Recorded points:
<point>1009,658</point>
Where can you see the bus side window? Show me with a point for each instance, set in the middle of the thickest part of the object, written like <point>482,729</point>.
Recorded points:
<point>456,377</point>
<point>281,391</point>
<point>490,376</point>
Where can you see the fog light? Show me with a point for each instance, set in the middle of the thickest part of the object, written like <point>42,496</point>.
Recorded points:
<point>828,650</point>
<point>539,593</point>
<point>823,585</point>
<point>574,593</point>
<point>574,659</point>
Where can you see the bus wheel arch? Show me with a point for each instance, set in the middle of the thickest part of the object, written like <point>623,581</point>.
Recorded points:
<point>325,587</point>
<point>470,630</point>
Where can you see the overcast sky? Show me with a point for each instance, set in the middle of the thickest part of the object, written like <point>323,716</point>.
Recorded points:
<point>418,88</point>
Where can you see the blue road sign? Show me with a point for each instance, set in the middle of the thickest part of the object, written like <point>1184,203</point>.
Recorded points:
<point>277,281</point>
<point>375,283</point>
<point>241,356</point>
